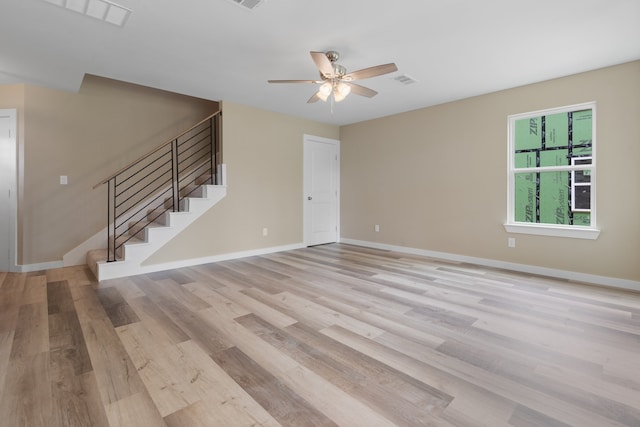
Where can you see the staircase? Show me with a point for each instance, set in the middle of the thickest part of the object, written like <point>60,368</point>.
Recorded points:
<point>153,199</point>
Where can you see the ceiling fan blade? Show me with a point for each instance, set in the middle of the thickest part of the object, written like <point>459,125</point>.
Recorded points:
<point>323,63</point>
<point>314,98</point>
<point>361,90</point>
<point>294,81</point>
<point>367,73</point>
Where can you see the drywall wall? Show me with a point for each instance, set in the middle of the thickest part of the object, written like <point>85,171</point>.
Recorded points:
<point>436,178</point>
<point>86,136</point>
<point>263,154</point>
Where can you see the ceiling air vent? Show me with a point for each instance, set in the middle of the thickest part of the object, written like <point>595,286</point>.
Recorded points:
<point>104,10</point>
<point>405,79</point>
<point>248,4</point>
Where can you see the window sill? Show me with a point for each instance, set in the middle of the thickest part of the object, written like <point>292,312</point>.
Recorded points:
<point>575,232</point>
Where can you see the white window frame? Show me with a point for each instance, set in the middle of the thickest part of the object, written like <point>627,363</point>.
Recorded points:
<point>575,184</point>
<point>543,229</point>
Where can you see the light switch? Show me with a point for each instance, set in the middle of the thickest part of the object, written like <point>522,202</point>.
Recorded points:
<point>63,179</point>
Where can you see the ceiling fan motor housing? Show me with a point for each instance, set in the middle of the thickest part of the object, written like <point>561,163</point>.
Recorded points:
<point>338,70</point>
<point>332,55</point>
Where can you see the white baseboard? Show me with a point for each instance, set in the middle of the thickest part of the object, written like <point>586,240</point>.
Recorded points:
<point>543,271</point>
<point>217,258</point>
<point>28,268</point>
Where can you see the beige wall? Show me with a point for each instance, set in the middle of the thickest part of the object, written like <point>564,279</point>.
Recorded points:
<point>436,178</point>
<point>263,154</point>
<point>86,136</point>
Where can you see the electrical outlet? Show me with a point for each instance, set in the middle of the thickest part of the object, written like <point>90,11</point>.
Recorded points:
<point>511,242</point>
<point>376,228</point>
<point>63,180</point>
<point>265,231</point>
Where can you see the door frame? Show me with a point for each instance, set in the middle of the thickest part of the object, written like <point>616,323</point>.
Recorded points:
<point>307,139</point>
<point>11,114</point>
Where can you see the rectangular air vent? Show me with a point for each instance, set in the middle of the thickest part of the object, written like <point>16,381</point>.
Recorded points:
<point>104,10</point>
<point>405,79</point>
<point>248,4</point>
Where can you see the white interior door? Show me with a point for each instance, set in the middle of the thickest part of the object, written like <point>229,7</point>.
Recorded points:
<point>321,190</point>
<point>7,189</point>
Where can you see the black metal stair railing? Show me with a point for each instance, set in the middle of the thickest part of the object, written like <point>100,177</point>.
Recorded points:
<point>143,191</point>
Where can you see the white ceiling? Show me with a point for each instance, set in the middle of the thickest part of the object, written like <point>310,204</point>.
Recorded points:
<point>218,50</point>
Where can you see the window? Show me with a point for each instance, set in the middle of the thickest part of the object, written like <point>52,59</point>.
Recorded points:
<point>552,172</point>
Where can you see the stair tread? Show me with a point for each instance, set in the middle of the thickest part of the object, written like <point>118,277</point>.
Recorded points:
<point>97,256</point>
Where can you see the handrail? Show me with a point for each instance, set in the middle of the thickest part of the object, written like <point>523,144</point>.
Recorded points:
<point>159,181</point>
<point>158,148</point>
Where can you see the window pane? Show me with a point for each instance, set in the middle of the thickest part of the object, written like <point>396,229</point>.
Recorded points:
<point>554,158</point>
<point>582,194</point>
<point>554,198</point>
<point>528,133</point>
<point>582,218</point>
<point>582,151</point>
<point>525,160</point>
<point>582,127</point>
<point>557,130</point>
<point>583,176</point>
<point>525,203</point>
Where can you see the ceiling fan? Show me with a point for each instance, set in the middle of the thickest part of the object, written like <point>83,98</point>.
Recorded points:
<point>335,82</point>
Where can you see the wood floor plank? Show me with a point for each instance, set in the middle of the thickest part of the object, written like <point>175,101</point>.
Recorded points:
<point>257,307</point>
<point>175,304</point>
<point>117,377</point>
<point>217,301</point>
<point>134,410</point>
<point>287,407</point>
<point>227,394</point>
<point>527,417</point>
<point>32,331</point>
<point>163,329</point>
<point>75,397</point>
<point>119,312</point>
<point>66,338</point>
<point>212,412</point>
<point>26,400</point>
<point>35,289</point>
<point>164,370</point>
<point>59,297</point>
<point>314,314</point>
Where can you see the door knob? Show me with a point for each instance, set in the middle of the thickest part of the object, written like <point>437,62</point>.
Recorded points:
<point>309,198</point>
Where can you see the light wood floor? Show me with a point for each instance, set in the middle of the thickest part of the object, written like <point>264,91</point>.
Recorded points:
<point>323,336</point>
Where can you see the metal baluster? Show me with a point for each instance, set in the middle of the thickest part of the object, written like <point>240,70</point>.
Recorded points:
<point>174,179</point>
<point>115,203</point>
<point>109,221</point>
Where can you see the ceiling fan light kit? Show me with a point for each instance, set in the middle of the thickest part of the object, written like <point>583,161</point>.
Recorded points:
<point>340,91</point>
<point>335,82</point>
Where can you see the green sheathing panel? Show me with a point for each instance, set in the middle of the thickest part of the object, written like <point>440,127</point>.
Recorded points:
<point>582,125</point>
<point>582,151</point>
<point>556,131</point>
<point>525,160</point>
<point>582,218</point>
<point>554,198</point>
<point>554,157</point>
<point>525,203</point>
<point>528,133</point>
